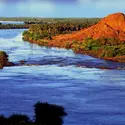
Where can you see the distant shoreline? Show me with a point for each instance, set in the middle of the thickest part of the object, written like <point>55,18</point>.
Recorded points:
<point>14,26</point>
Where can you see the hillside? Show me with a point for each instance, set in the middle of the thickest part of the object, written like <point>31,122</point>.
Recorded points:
<point>112,26</point>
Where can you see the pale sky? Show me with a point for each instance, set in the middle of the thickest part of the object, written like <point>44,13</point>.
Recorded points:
<point>60,8</point>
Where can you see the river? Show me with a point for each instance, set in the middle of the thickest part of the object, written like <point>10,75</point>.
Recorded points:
<point>11,22</point>
<point>91,96</point>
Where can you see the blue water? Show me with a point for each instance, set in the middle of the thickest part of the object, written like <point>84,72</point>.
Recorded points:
<point>91,96</point>
<point>11,22</point>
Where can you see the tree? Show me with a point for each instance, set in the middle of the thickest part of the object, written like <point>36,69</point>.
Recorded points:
<point>49,114</point>
<point>3,120</point>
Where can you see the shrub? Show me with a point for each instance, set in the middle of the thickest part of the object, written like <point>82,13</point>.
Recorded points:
<point>25,32</point>
<point>18,119</point>
<point>121,51</point>
<point>68,45</point>
<point>111,47</point>
<point>3,120</point>
<point>45,114</point>
<point>110,53</point>
<point>91,44</point>
<point>49,114</point>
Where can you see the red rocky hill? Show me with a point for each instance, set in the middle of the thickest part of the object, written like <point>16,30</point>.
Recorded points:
<point>112,26</point>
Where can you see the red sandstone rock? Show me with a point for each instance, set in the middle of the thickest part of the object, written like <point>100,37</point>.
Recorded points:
<point>112,26</point>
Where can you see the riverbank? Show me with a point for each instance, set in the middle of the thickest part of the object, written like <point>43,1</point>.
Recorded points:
<point>80,48</point>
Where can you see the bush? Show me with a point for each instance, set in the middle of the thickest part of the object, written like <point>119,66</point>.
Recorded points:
<point>68,45</point>
<point>109,53</point>
<point>110,47</point>
<point>92,44</point>
<point>18,119</point>
<point>49,114</point>
<point>25,32</point>
<point>45,114</point>
<point>121,51</point>
<point>3,120</point>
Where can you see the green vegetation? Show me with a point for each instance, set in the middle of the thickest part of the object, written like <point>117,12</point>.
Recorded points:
<point>39,20</point>
<point>45,114</point>
<point>47,29</point>
<point>109,47</point>
<point>101,48</point>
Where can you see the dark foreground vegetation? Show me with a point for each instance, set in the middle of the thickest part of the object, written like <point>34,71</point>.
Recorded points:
<point>45,114</point>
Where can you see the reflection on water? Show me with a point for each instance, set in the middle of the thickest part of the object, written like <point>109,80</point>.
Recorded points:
<point>91,96</point>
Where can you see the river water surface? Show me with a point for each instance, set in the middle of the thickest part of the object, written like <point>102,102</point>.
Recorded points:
<point>91,96</point>
<point>11,22</point>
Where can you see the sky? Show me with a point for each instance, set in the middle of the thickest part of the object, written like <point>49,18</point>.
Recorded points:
<point>60,8</point>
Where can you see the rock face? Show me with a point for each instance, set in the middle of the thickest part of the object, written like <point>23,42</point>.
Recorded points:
<point>112,26</point>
